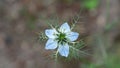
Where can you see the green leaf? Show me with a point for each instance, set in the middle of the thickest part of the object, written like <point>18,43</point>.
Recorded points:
<point>90,4</point>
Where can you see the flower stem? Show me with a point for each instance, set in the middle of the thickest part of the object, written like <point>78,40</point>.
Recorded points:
<point>56,54</point>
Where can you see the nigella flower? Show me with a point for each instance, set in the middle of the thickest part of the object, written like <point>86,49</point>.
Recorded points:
<point>60,38</point>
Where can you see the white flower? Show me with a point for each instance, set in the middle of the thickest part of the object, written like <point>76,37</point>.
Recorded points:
<point>60,38</point>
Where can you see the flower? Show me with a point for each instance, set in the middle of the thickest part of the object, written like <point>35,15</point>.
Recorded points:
<point>60,38</point>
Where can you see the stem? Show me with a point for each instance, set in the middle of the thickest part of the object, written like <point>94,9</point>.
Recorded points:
<point>56,55</point>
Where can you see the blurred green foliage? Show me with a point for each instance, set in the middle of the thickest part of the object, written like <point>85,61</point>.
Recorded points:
<point>110,26</point>
<point>90,4</point>
<point>28,17</point>
<point>67,1</point>
<point>110,62</point>
<point>30,22</point>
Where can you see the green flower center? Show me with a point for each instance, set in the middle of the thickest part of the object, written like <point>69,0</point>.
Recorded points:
<point>61,38</point>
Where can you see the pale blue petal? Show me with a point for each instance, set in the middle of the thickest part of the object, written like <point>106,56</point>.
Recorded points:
<point>72,36</point>
<point>51,44</point>
<point>65,27</point>
<point>64,50</point>
<point>50,33</point>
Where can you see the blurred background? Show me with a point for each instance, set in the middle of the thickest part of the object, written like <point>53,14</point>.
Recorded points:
<point>21,21</point>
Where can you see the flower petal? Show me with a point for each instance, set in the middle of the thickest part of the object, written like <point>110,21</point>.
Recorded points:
<point>65,27</point>
<point>50,33</point>
<point>72,36</point>
<point>64,50</point>
<point>51,44</point>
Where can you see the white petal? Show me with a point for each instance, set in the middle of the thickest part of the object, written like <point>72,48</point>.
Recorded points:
<point>51,44</point>
<point>65,27</point>
<point>64,50</point>
<point>50,33</point>
<point>72,36</point>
